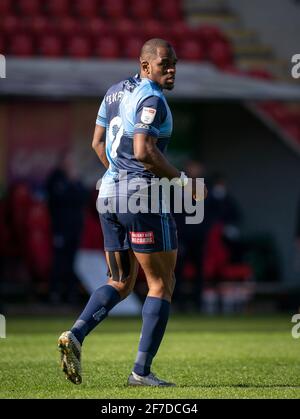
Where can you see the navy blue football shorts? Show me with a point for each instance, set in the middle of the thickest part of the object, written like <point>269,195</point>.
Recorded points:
<point>141,232</point>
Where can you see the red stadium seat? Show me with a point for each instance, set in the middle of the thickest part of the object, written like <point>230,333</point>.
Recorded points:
<point>169,10</point>
<point>287,119</point>
<point>38,218</point>
<point>86,8</point>
<point>260,74</point>
<point>278,111</point>
<point>191,50</point>
<point>19,204</point>
<point>5,7</point>
<point>50,46</point>
<point>152,28</point>
<point>220,54</point>
<point>232,69</point>
<point>58,7</point>
<point>236,272</point>
<point>267,106</point>
<point>21,45</point>
<point>217,260</point>
<point>96,27</point>
<point>29,7</point>
<point>38,25</point>
<point>79,47</point>
<point>11,25</point>
<point>132,47</point>
<point>107,47</point>
<point>2,45</point>
<point>179,30</point>
<point>125,28</point>
<point>38,247</point>
<point>69,26</point>
<point>113,8</point>
<point>142,9</point>
<point>92,237</point>
<point>39,254</point>
<point>216,255</point>
<point>293,130</point>
<point>209,34</point>
<point>8,245</point>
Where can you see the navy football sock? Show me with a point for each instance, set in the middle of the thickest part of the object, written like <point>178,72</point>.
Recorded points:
<point>100,303</point>
<point>155,318</point>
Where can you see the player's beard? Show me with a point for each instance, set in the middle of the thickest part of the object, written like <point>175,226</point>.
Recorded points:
<point>168,85</point>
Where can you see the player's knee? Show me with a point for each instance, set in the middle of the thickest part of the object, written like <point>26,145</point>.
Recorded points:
<point>127,290</point>
<point>163,287</point>
<point>124,288</point>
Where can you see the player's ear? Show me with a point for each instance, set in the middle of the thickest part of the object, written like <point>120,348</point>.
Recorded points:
<point>145,66</point>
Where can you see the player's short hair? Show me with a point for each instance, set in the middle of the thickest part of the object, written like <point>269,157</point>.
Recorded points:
<point>149,49</point>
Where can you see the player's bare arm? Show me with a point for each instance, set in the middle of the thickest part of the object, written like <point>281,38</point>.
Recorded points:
<point>146,151</point>
<point>98,145</point>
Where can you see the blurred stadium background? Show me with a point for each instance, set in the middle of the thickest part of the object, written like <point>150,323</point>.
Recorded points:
<point>236,114</point>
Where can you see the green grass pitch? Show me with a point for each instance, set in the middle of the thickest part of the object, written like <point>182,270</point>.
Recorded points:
<point>245,357</point>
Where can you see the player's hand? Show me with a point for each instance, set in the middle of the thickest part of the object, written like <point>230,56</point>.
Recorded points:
<point>201,193</point>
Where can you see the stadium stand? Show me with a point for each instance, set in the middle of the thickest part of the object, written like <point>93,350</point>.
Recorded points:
<point>141,10</point>
<point>78,47</point>
<point>209,23</point>
<point>203,31</point>
<point>227,282</point>
<point>50,46</point>
<point>85,9</point>
<point>57,8</point>
<point>107,47</point>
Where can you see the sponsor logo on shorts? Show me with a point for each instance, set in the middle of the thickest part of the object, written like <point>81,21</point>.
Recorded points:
<point>142,237</point>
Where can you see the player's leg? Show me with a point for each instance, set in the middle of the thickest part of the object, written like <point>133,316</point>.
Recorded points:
<point>123,269</point>
<point>159,270</point>
<point>122,275</point>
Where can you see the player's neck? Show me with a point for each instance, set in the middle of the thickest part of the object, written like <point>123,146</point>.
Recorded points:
<point>145,76</point>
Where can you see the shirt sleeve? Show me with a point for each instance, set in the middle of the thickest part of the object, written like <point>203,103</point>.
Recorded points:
<point>101,117</point>
<point>150,114</point>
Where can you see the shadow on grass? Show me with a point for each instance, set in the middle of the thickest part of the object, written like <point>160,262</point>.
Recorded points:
<point>206,386</point>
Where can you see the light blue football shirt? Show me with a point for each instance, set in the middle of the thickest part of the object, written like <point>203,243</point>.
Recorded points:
<point>132,106</point>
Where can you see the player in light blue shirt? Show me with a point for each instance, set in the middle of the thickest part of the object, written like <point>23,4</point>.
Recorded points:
<point>133,128</point>
<point>136,105</point>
